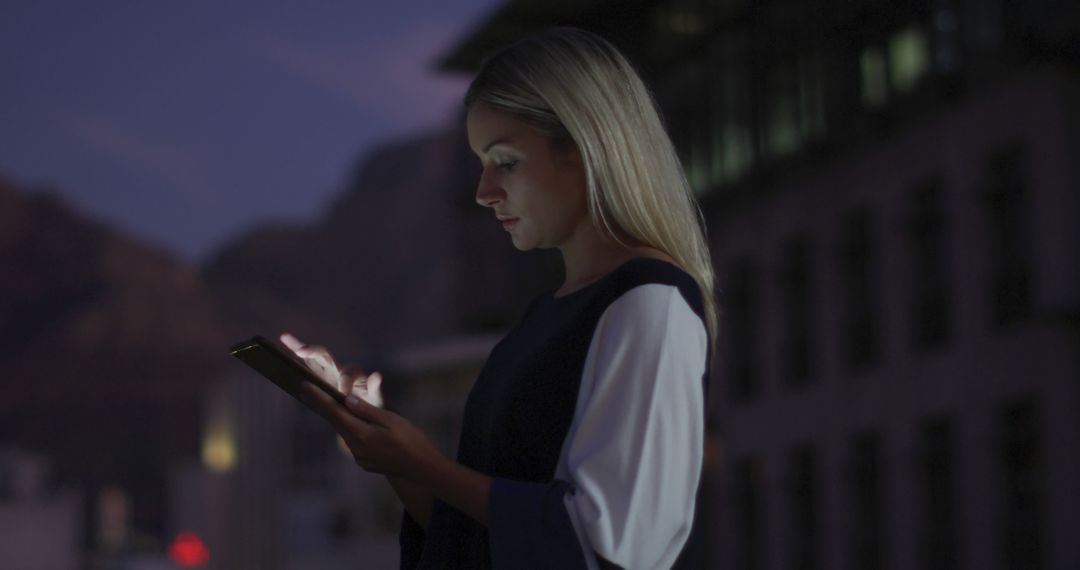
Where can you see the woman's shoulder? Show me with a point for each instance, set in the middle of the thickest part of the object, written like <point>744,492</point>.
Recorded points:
<point>647,269</point>
<point>652,270</point>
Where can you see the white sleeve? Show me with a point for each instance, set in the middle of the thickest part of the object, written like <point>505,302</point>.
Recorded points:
<point>633,454</point>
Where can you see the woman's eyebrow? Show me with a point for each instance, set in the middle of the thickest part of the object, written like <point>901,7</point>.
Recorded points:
<point>501,140</point>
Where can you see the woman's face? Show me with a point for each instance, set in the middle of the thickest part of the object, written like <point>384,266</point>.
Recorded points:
<point>536,188</point>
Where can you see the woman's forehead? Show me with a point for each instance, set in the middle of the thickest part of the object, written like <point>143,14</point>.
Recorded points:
<point>488,127</point>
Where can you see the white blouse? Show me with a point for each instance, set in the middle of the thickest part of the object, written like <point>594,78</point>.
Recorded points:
<point>633,454</point>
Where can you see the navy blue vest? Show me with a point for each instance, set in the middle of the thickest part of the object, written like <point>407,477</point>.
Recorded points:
<point>522,404</point>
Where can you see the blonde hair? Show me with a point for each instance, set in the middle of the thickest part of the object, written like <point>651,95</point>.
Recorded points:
<point>575,87</point>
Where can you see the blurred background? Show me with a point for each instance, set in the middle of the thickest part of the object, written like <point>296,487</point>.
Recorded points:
<point>891,191</point>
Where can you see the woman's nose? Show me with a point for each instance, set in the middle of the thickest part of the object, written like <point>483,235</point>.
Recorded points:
<point>488,192</point>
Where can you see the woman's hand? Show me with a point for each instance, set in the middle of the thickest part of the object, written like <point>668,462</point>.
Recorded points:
<point>384,442</point>
<point>348,379</point>
<point>380,441</point>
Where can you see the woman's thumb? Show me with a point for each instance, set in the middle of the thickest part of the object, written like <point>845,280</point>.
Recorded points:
<point>374,382</point>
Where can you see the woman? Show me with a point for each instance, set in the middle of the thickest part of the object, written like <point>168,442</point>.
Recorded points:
<point>582,438</point>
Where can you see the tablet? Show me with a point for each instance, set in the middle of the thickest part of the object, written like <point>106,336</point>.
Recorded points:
<point>278,364</point>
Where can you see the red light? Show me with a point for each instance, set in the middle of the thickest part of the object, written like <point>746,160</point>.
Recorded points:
<point>188,550</point>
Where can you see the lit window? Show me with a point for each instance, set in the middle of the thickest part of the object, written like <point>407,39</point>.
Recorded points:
<point>733,153</point>
<point>909,57</point>
<point>686,23</point>
<point>219,447</point>
<point>681,18</point>
<point>875,82</point>
<point>783,136</point>
<point>731,132</point>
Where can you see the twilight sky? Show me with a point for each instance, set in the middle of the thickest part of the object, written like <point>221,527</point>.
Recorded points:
<point>185,123</point>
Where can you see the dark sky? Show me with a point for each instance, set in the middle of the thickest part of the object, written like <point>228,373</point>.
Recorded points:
<point>186,122</point>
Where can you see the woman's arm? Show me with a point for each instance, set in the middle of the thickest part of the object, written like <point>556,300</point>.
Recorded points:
<point>416,499</point>
<point>460,487</point>
<point>384,442</point>
<point>351,379</point>
<point>455,484</point>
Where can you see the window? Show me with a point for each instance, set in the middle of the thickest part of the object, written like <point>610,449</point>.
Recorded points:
<point>741,304</point>
<point>749,545</point>
<point>7,480</point>
<point>803,501</point>
<point>859,276</point>
<point>732,134</point>
<point>946,43</point>
<point>875,78</point>
<point>795,102</point>
<point>679,21</point>
<point>930,305</point>
<point>689,120</point>
<point>1021,460</point>
<point>937,474</point>
<point>893,65</point>
<point>868,524</point>
<point>983,23</point>
<point>1010,236</point>
<point>812,93</point>
<point>782,133</point>
<point>909,58</point>
<point>796,349</point>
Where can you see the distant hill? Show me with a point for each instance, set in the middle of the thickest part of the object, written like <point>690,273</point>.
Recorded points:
<point>106,347</point>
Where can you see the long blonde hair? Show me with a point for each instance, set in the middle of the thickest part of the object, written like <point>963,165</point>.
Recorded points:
<point>575,87</point>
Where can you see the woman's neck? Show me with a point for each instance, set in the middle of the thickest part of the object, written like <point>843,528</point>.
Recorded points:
<point>592,256</point>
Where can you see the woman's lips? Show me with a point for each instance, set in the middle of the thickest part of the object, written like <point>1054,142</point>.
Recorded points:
<point>509,223</point>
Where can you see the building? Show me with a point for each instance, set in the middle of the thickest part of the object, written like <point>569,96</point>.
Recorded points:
<point>891,192</point>
<point>41,525</point>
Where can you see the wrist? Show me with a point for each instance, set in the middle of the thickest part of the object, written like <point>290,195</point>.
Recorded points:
<point>431,468</point>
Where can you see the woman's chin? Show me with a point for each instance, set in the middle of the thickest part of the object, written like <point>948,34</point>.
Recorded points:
<point>521,243</point>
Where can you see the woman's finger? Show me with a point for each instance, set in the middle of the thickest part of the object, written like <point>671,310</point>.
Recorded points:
<point>367,388</point>
<point>317,358</point>
<point>291,342</point>
<point>374,384</point>
<point>319,354</point>
<point>368,412</point>
<point>308,351</point>
<point>344,421</point>
<point>352,378</point>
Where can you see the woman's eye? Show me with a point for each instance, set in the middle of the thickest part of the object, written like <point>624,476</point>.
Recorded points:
<point>507,165</point>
